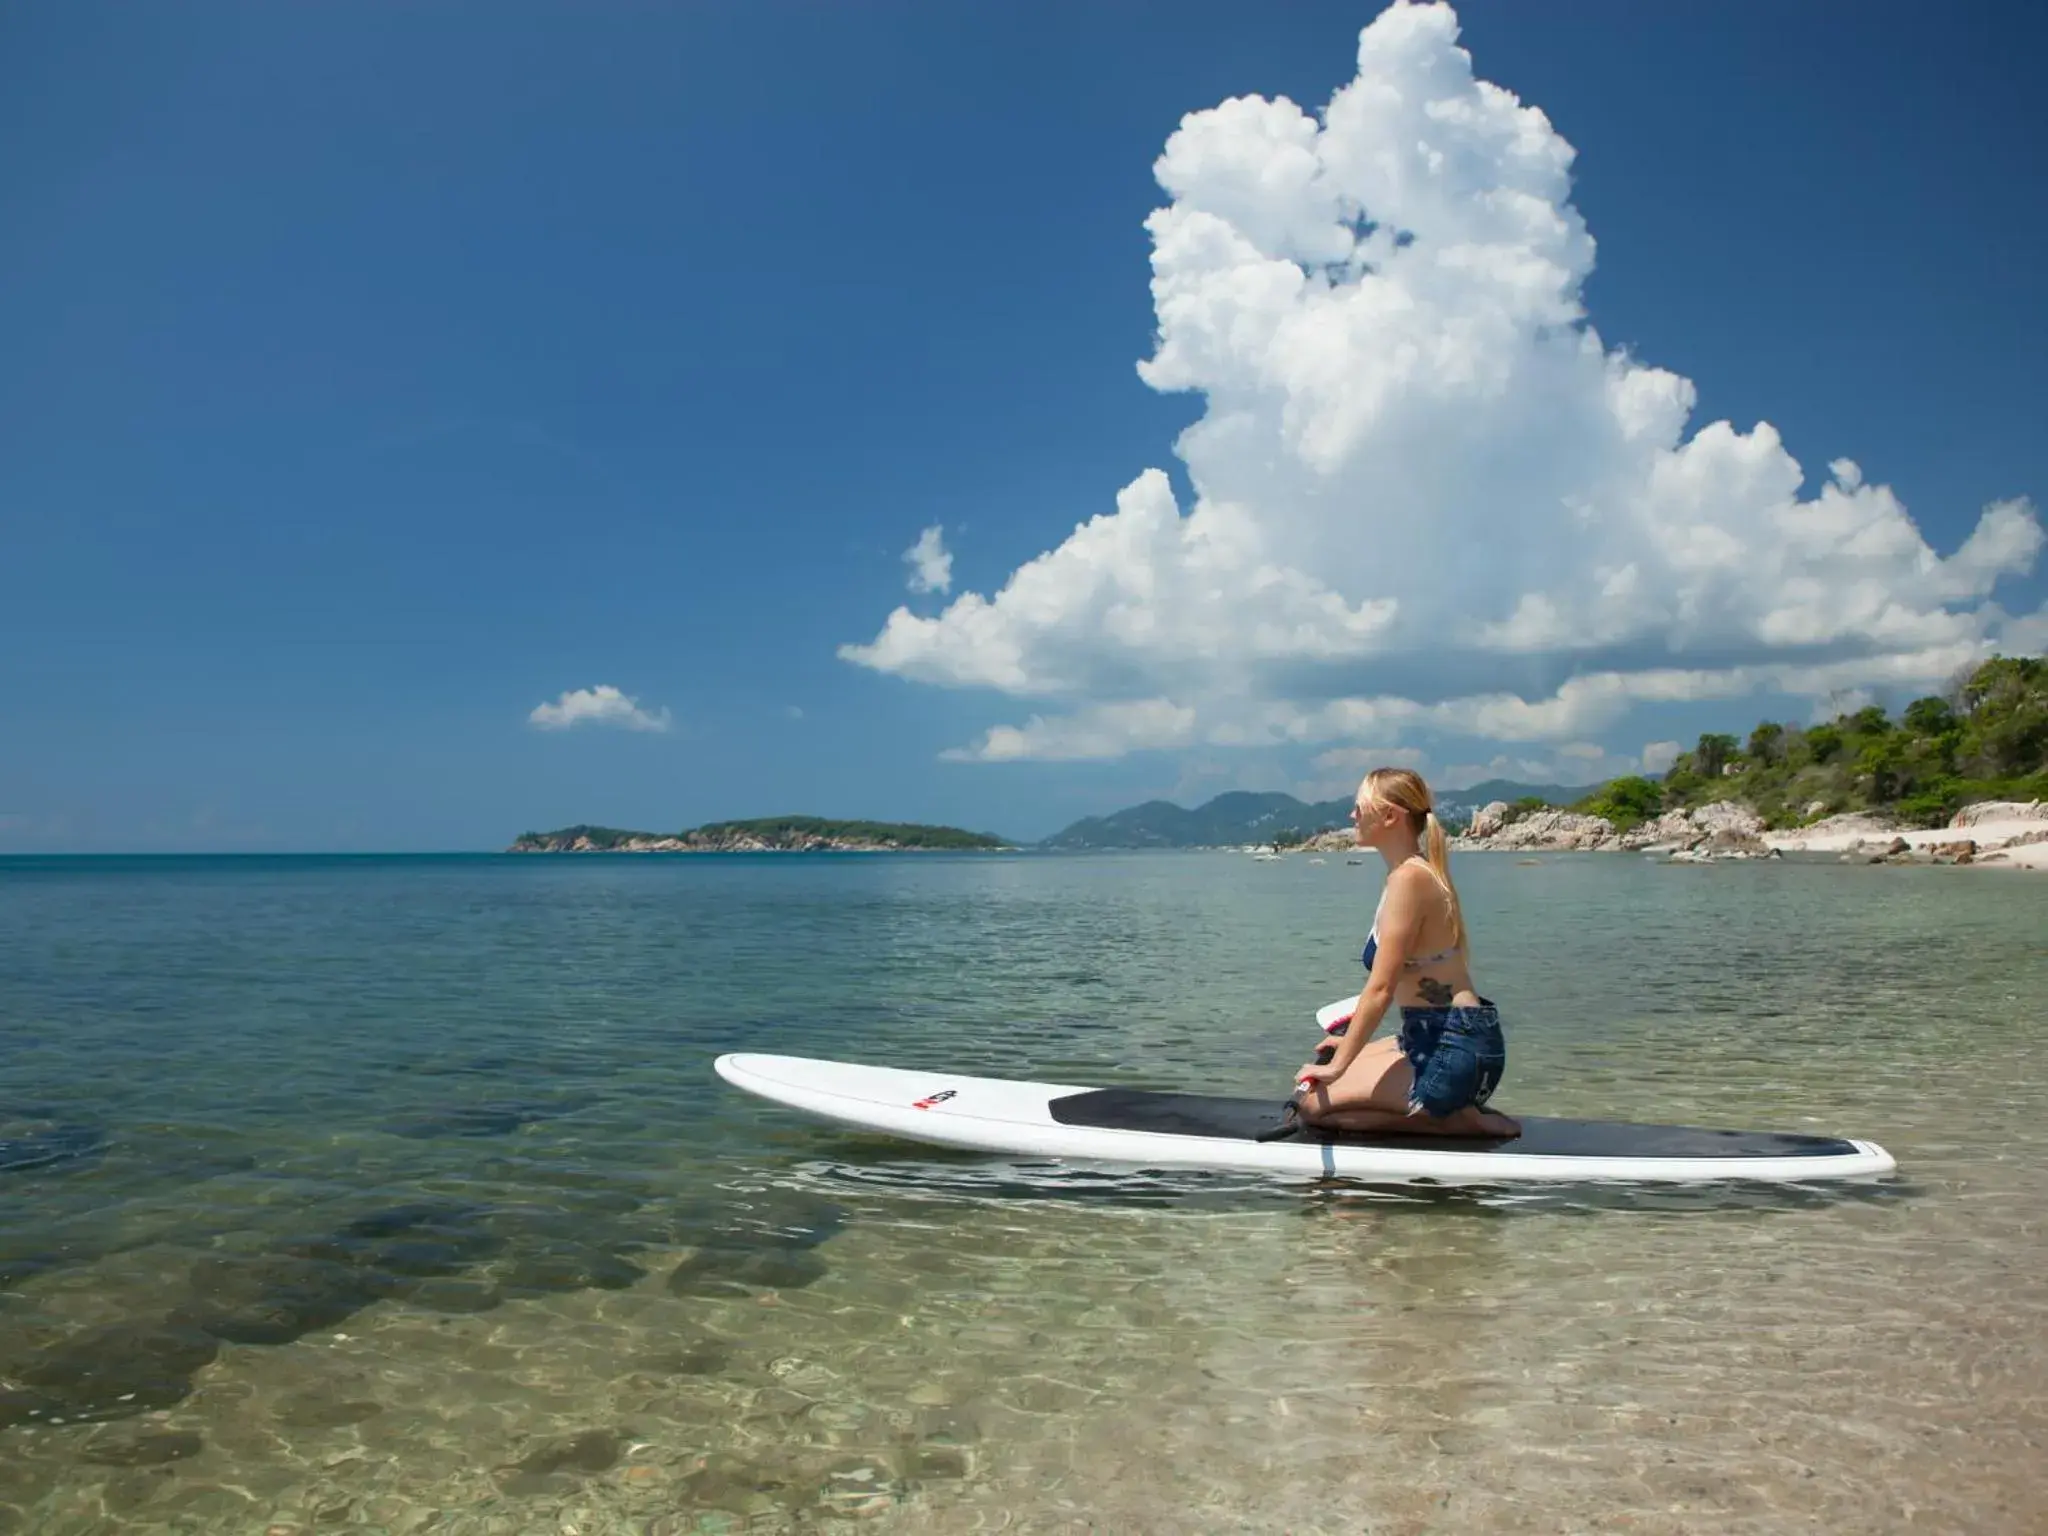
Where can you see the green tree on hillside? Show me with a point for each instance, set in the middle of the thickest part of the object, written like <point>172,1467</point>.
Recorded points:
<point>1626,802</point>
<point>1878,764</point>
<point>1710,759</point>
<point>1988,740</point>
<point>1767,743</point>
<point>1929,717</point>
<point>2006,726</point>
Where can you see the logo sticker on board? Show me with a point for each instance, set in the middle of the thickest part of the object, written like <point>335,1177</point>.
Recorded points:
<point>936,1098</point>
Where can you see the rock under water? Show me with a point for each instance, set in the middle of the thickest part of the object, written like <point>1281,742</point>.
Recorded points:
<point>442,1255</point>
<point>107,1372</point>
<point>145,1450</point>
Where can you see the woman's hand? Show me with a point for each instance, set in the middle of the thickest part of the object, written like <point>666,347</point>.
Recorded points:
<point>1318,1072</point>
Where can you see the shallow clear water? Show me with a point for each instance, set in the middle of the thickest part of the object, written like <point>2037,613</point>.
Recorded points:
<point>398,1194</point>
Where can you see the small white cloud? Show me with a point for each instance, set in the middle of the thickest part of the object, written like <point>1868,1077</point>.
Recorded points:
<point>793,711</point>
<point>930,562</point>
<point>1101,730</point>
<point>1658,756</point>
<point>602,705</point>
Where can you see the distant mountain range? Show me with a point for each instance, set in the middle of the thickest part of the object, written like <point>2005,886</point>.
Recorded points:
<point>1240,817</point>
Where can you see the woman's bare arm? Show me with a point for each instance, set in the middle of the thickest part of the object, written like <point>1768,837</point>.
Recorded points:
<point>1401,918</point>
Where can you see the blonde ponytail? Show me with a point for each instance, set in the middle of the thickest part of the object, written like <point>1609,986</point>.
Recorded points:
<point>1437,847</point>
<point>1404,788</point>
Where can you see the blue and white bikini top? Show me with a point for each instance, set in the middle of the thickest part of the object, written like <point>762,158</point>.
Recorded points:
<point>1413,962</point>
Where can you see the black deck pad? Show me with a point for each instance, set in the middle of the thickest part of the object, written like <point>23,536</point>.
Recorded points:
<point>1188,1114</point>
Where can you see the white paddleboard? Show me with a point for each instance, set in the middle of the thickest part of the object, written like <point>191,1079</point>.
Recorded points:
<point>1175,1130</point>
<point>1330,1015</point>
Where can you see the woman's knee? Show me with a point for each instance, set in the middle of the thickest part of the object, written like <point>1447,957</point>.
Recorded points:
<point>1365,1085</point>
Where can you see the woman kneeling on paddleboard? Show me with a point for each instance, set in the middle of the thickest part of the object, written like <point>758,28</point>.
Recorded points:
<point>1436,1077</point>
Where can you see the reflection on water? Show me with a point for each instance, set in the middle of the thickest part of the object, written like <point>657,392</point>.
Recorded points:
<point>915,1174</point>
<point>399,1195</point>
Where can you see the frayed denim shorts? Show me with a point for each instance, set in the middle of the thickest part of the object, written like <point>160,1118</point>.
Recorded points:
<point>1457,1056</point>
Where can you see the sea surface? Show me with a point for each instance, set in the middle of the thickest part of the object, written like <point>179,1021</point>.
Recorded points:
<point>398,1195</point>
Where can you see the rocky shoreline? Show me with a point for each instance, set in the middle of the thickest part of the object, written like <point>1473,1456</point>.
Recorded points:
<point>1725,829</point>
<point>2000,833</point>
<point>1721,830</point>
<point>557,844</point>
<point>2009,833</point>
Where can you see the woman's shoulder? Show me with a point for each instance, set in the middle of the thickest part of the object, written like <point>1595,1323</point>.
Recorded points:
<point>1415,885</point>
<point>1411,880</point>
<point>1416,872</point>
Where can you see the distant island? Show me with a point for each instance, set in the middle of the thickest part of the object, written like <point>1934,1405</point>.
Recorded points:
<point>769,834</point>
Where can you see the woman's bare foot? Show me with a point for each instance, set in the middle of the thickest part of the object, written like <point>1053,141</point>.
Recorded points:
<point>1473,1122</point>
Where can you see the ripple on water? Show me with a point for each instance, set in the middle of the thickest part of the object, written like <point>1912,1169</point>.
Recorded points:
<point>41,1148</point>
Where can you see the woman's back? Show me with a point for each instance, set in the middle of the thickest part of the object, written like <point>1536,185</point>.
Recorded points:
<point>1435,972</point>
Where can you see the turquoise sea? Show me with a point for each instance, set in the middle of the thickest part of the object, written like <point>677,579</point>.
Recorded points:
<point>397,1194</point>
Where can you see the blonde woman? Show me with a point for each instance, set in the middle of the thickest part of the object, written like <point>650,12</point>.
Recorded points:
<point>1435,1077</point>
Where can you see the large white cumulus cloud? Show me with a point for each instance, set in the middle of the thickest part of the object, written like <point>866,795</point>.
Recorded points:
<point>1419,467</point>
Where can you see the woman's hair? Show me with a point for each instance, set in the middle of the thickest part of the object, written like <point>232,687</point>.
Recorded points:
<point>1405,791</point>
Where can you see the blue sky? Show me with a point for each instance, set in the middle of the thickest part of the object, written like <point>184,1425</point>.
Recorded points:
<point>373,375</point>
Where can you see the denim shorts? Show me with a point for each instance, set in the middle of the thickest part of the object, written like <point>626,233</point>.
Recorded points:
<point>1457,1056</point>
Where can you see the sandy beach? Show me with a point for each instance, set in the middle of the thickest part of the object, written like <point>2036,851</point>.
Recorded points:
<point>2004,842</point>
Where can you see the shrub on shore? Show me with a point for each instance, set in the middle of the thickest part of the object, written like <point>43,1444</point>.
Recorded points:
<point>1986,738</point>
